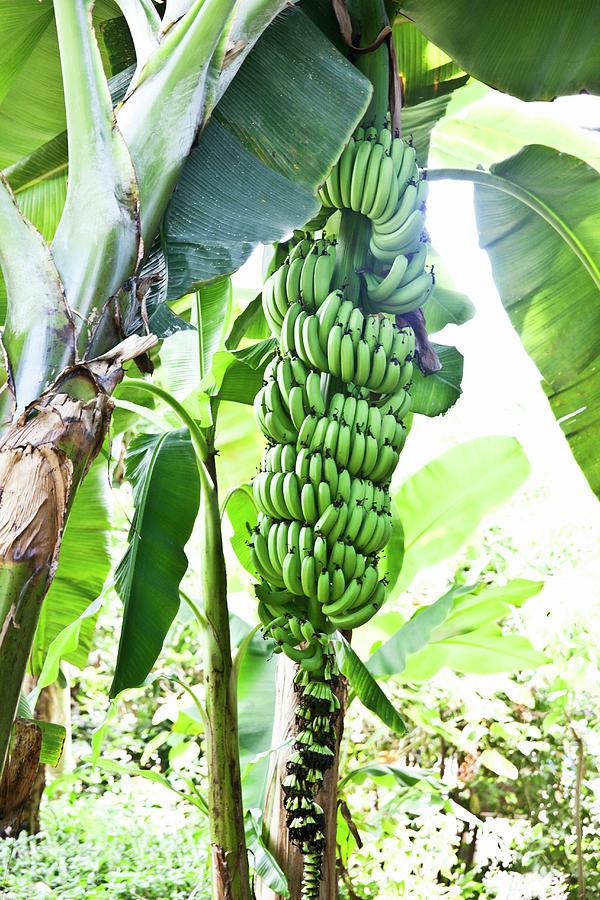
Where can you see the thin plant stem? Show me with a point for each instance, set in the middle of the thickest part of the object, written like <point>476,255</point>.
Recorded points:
<point>581,890</point>
<point>226,817</point>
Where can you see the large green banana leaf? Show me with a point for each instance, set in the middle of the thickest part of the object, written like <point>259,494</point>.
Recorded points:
<point>162,469</point>
<point>534,49</point>
<point>441,504</point>
<point>428,79</point>
<point>459,631</point>
<point>546,262</point>
<point>270,143</point>
<point>537,214</point>
<point>426,71</point>
<point>32,109</point>
<point>482,127</point>
<point>82,569</point>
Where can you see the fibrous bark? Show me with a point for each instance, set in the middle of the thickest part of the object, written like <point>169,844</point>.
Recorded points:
<point>43,457</point>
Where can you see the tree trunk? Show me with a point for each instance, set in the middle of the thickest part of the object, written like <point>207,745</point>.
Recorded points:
<point>44,455</point>
<point>29,816</point>
<point>287,855</point>
<point>54,705</point>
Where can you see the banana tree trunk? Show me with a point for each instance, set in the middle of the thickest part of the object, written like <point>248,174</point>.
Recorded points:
<point>286,853</point>
<point>44,455</point>
<point>29,816</point>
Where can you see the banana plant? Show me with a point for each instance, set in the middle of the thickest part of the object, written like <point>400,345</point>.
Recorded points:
<point>87,295</point>
<point>149,163</point>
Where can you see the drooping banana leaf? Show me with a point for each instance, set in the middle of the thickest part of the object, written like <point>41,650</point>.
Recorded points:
<point>271,141</point>
<point>538,220</point>
<point>162,469</point>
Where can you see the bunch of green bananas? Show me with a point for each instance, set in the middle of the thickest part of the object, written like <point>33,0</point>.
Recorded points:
<point>332,407</point>
<point>307,274</point>
<point>377,175</point>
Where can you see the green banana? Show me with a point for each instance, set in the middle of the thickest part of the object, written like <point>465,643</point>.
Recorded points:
<point>378,368</point>
<point>372,179</point>
<point>291,574</point>
<point>314,394</point>
<point>346,165</point>
<point>404,239</point>
<point>408,170</point>
<point>392,280</point>
<point>384,191</point>
<point>292,281</point>
<point>322,275</point>
<point>308,499</point>
<point>359,172</point>
<point>411,295</point>
<point>326,315</point>
<point>333,186</point>
<point>385,138</point>
<point>347,358</point>
<point>307,285</point>
<point>311,343</point>
<point>334,346</point>
<point>408,204</point>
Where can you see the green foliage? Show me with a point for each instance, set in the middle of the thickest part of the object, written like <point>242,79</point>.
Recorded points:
<point>483,127</point>
<point>447,307</point>
<point>459,631</point>
<point>426,71</point>
<point>540,262</point>
<point>533,51</point>
<point>37,310</point>
<point>441,504</point>
<point>106,847</point>
<point>254,174</point>
<point>264,863</point>
<point>28,46</point>
<point>82,570</point>
<point>242,514</point>
<point>256,711</point>
<point>162,470</point>
<point>428,79</point>
<point>435,394</point>
<point>366,688</point>
<point>53,736</point>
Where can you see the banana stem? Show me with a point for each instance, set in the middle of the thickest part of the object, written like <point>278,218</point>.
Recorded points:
<point>226,817</point>
<point>198,440</point>
<point>369,17</point>
<point>352,252</point>
<point>230,862</point>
